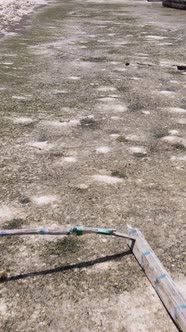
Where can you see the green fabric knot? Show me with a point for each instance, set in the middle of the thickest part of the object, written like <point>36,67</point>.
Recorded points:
<point>70,231</point>
<point>78,230</point>
<point>104,231</point>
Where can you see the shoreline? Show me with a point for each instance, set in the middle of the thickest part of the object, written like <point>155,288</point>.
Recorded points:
<point>13,28</point>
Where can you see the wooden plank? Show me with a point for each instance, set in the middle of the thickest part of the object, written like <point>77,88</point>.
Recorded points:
<point>159,278</point>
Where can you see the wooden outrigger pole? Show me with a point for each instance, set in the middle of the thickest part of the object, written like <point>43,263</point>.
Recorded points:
<point>145,256</point>
<point>159,278</point>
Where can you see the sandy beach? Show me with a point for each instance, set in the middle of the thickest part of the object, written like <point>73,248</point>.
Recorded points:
<point>92,133</point>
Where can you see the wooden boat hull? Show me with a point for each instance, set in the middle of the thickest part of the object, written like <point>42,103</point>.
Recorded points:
<point>178,4</point>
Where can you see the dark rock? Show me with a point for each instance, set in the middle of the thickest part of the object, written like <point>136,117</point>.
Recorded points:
<point>181,67</point>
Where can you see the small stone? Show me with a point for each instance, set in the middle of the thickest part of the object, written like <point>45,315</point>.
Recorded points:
<point>121,138</point>
<point>183,67</point>
<point>24,200</point>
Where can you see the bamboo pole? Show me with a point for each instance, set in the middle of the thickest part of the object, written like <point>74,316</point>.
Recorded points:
<point>77,230</point>
<point>159,278</point>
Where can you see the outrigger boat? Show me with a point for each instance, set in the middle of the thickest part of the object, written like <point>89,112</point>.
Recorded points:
<point>177,4</point>
<point>160,279</point>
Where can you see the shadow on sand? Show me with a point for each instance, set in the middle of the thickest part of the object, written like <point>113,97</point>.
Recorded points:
<point>67,267</point>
